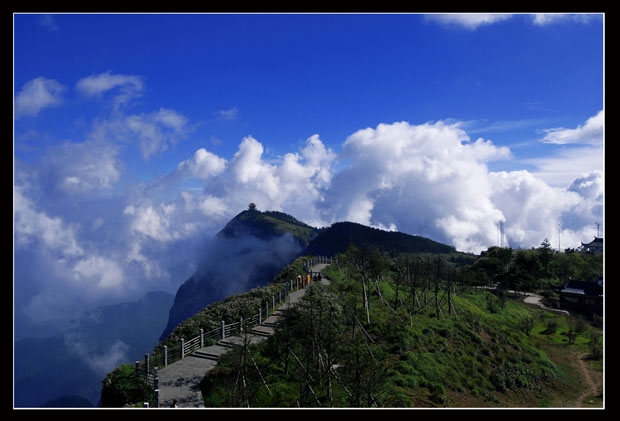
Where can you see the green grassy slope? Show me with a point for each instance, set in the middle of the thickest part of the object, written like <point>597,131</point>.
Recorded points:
<point>476,350</point>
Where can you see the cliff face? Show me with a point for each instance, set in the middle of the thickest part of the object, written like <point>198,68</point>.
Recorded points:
<point>248,252</point>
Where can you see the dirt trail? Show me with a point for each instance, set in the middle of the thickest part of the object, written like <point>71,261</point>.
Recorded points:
<point>590,387</point>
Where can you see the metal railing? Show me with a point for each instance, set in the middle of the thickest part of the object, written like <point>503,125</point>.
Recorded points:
<point>148,366</point>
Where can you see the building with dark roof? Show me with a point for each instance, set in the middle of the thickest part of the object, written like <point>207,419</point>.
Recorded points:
<point>583,297</point>
<point>595,246</point>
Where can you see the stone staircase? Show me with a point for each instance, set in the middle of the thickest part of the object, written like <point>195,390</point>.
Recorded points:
<point>180,381</point>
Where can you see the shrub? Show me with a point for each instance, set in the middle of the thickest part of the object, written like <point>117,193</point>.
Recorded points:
<point>122,388</point>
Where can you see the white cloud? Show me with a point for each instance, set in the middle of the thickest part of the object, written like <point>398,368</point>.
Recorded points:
<point>36,95</point>
<point>101,359</point>
<point>426,180</point>
<point>468,20</point>
<point>170,118</point>
<point>128,86</point>
<point>294,183</point>
<point>98,272</point>
<point>32,226</point>
<point>228,115</point>
<point>48,22</point>
<point>430,180</point>
<point>83,167</point>
<point>590,133</point>
<point>591,186</point>
<point>246,164</point>
<point>531,207</point>
<point>102,362</point>
<point>213,207</point>
<point>69,273</point>
<point>319,160</point>
<point>553,18</point>
<point>203,165</point>
<point>561,168</point>
<point>154,131</point>
<point>473,21</point>
<point>153,221</point>
<point>582,152</point>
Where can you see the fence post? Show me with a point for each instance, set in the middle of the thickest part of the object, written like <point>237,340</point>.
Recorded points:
<point>223,329</point>
<point>266,310</point>
<point>260,317</point>
<point>182,348</point>
<point>240,324</point>
<point>156,387</point>
<point>202,338</point>
<point>165,355</point>
<point>138,369</point>
<point>273,301</point>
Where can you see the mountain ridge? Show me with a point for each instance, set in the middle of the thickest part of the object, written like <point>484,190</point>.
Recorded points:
<point>248,252</point>
<point>255,245</point>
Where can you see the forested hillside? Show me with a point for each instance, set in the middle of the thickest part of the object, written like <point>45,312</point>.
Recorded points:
<point>417,330</point>
<point>407,332</point>
<point>341,235</point>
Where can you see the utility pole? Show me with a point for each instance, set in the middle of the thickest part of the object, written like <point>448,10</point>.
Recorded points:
<point>559,232</point>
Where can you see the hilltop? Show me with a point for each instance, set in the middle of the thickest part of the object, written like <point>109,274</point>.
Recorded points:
<point>254,246</point>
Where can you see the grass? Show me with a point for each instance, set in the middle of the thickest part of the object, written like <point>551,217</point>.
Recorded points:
<point>490,353</point>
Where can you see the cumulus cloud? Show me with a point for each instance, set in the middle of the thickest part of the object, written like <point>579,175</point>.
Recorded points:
<point>530,207</point>
<point>36,95</point>
<point>96,236</point>
<point>153,221</point>
<point>203,165</point>
<point>427,180</point>
<point>590,186</point>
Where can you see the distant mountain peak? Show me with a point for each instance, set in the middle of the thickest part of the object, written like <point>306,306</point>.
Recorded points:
<point>255,245</point>
<point>267,225</point>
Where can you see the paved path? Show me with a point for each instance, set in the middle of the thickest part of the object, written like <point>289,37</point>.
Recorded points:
<point>536,299</point>
<point>180,381</point>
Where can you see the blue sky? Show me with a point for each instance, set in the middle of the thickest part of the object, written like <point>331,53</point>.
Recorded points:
<point>138,136</point>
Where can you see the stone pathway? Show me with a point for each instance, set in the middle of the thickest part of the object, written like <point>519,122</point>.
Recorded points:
<point>180,381</point>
